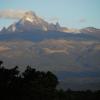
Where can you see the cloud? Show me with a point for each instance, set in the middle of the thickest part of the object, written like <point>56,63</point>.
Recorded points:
<point>82,20</point>
<point>54,19</point>
<point>12,14</point>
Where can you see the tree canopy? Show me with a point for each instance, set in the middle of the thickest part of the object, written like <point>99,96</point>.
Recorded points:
<point>36,85</point>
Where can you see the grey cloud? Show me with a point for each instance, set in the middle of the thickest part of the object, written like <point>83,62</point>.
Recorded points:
<point>82,20</point>
<point>12,14</point>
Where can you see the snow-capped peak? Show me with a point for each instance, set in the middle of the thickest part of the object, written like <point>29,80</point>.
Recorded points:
<point>29,19</point>
<point>30,22</point>
<point>30,13</point>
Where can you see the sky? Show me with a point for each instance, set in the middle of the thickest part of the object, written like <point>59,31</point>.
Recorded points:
<point>69,13</point>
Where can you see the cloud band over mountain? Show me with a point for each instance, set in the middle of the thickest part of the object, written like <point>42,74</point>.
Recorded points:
<point>12,14</point>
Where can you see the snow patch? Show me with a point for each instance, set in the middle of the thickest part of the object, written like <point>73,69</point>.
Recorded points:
<point>29,19</point>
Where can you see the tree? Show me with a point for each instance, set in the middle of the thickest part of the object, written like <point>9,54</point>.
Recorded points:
<point>41,84</point>
<point>1,62</point>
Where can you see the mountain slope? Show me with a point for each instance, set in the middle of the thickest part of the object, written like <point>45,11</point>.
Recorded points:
<point>91,31</point>
<point>46,46</point>
<point>29,22</point>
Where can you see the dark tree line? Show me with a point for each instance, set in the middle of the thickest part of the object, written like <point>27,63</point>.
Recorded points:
<point>36,85</point>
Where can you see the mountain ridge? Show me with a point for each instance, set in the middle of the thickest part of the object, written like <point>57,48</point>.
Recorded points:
<point>30,22</point>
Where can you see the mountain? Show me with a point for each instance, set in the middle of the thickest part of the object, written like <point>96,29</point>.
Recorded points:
<point>90,30</point>
<point>33,28</point>
<point>3,30</point>
<point>29,22</point>
<point>74,55</point>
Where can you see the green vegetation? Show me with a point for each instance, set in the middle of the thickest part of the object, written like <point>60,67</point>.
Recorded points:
<point>36,85</point>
